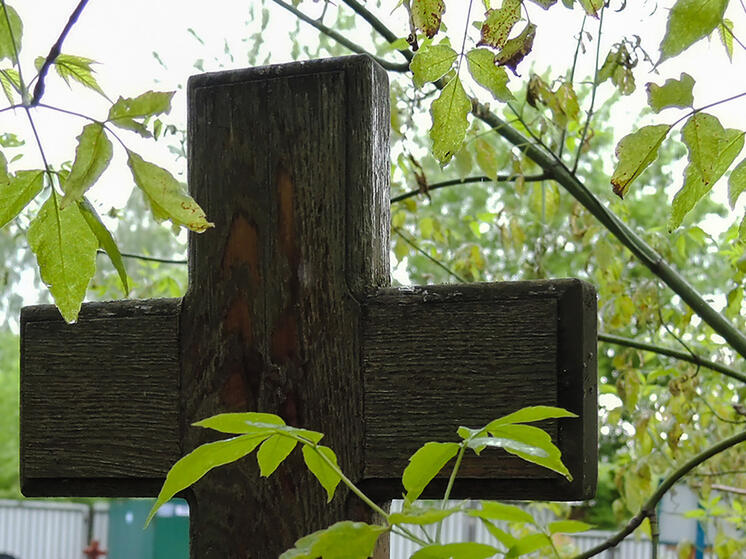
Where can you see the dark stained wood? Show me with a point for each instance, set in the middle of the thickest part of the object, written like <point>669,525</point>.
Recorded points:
<point>289,311</point>
<point>439,357</point>
<point>99,399</point>
<point>299,198</point>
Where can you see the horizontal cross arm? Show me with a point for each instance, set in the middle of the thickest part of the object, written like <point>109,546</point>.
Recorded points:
<point>99,399</point>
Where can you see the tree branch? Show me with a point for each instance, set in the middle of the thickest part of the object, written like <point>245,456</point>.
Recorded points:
<point>376,24</point>
<point>681,355</point>
<point>468,180</point>
<point>54,52</point>
<point>341,39</point>
<point>148,258</point>
<point>649,506</point>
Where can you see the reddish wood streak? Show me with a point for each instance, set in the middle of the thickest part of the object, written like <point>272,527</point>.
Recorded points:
<point>242,247</point>
<point>237,319</point>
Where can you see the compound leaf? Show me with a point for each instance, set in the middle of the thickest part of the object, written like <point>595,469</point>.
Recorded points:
<point>449,112</point>
<point>431,62</point>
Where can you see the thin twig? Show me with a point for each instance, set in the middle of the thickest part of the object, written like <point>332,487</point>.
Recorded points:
<point>593,94</point>
<point>435,261</point>
<point>662,489</point>
<point>54,52</point>
<point>148,258</point>
<point>681,355</point>
<point>341,39</point>
<point>468,180</point>
<point>570,79</point>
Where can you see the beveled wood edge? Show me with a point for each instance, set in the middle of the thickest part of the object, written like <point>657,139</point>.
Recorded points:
<point>91,487</point>
<point>103,309</point>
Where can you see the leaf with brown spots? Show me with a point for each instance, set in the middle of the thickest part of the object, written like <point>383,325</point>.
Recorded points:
<point>498,24</point>
<point>427,14</point>
<point>515,50</point>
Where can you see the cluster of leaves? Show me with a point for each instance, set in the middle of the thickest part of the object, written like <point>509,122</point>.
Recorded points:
<point>275,441</point>
<point>66,232</point>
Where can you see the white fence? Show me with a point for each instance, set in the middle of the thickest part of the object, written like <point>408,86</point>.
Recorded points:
<point>50,530</point>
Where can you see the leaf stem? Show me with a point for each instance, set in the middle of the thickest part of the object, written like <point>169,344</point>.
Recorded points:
<point>681,355</point>
<point>468,180</point>
<point>571,78</point>
<point>449,487</point>
<point>435,261</point>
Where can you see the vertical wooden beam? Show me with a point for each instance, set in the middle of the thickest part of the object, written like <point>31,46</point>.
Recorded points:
<point>291,163</point>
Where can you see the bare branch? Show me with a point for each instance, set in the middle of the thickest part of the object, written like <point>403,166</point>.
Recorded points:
<point>468,180</point>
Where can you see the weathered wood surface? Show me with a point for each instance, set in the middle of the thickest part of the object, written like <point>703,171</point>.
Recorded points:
<point>99,399</point>
<point>291,163</point>
<point>439,357</point>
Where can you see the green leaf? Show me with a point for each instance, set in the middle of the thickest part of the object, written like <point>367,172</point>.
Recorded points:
<point>327,476</point>
<point>272,453</point>
<point>534,437</point>
<point>16,193</point>
<point>463,550</point>
<point>725,31</point>
<point>424,465</point>
<point>736,183</point>
<point>427,15</point>
<point>449,112</point>
<point>712,149</point>
<point>528,544</point>
<point>241,423</point>
<point>187,470</point>
<point>484,71</point>
<point>131,113</point>
<point>568,527</point>
<point>500,535</point>
<point>480,443</point>
<point>76,68</point>
<point>530,414</point>
<point>516,49</point>
<point>688,22</point>
<point>673,93</point>
<point>492,510</point>
<point>592,7</point>
<point>105,240</point>
<point>166,196</point>
<point>742,229</point>
<point>10,37</point>
<point>92,157</point>
<point>424,516</point>
<point>65,251</point>
<point>635,152</point>
<point>431,62</point>
<point>498,24</point>
<point>343,540</point>
<point>10,81</point>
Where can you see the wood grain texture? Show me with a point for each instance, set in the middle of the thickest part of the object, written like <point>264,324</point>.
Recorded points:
<point>439,357</point>
<point>291,164</point>
<point>99,399</point>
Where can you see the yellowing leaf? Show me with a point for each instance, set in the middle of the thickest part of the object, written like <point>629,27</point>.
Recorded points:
<point>431,62</point>
<point>515,50</point>
<point>10,37</point>
<point>427,14</point>
<point>449,112</point>
<point>673,93</point>
<point>711,151</point>
<point>498,23</point>
<point>736,183</point>
<point>166,196</point>
<point>487,74</point>
<point>131,113</point>
<point>79,69</point>
<point>16,193</point>
<point>92,157</point>
<point>635,152</point>
<point>688,22</point>
<point>592,7</point>
<point>65,250</point>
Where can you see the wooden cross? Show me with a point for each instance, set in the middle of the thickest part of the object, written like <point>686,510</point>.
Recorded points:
<point>288,311</point>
